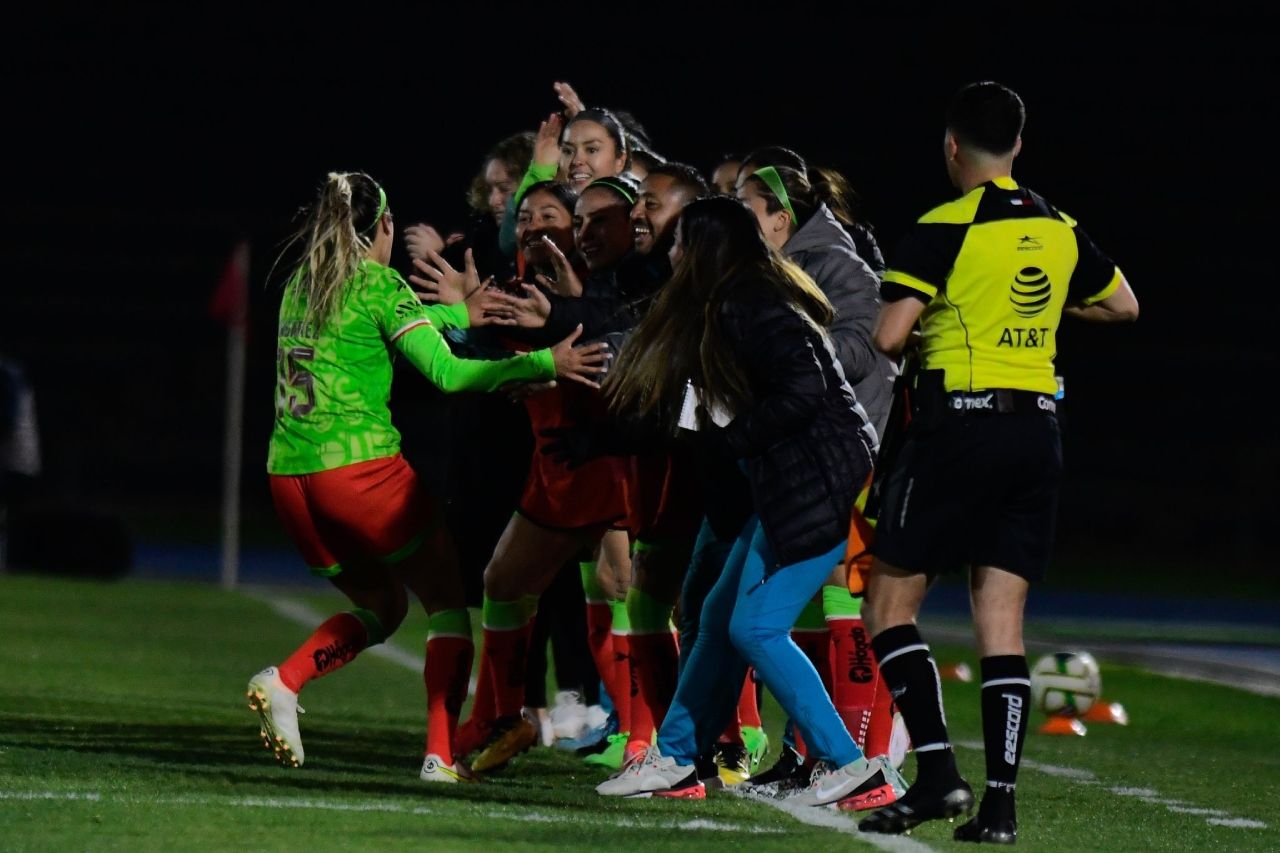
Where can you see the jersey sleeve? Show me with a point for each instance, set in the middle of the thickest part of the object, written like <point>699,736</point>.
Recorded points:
<point>449,316</point>
<point>426,350</point>
<point>1095,277</point>
<point>924,258</point>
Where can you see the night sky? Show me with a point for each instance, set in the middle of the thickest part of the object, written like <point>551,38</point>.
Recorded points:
<point>140,147</point>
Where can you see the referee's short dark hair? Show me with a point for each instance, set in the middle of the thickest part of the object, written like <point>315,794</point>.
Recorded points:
<point>986,116</point>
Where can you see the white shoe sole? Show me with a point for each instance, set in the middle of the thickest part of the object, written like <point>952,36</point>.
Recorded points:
<point>271,739</point>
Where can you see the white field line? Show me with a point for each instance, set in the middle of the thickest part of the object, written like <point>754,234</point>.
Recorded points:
<point>833,819</point>
<point>395,808</point>
<point>302,614</point>
<point>1215,817</point>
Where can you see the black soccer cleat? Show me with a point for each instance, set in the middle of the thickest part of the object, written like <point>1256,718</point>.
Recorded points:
<point>999,832</point>
<point>918,805</point>
<point>789,766</point>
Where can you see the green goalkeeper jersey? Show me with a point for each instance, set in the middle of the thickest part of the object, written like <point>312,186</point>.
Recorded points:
<point>333,382</point>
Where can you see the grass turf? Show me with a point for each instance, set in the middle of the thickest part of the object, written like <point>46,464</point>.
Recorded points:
<point>123,725</point>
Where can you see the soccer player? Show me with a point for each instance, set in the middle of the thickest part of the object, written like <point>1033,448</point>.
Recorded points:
<point>988,277</point>
<point>347,498</point>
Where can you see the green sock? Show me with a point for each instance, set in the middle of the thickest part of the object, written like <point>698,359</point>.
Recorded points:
<point>837,602</point>
<point>646,613</point>
<point>503,615</point>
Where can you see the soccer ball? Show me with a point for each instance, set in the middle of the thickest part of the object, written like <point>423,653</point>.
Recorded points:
<point>1065,683</point>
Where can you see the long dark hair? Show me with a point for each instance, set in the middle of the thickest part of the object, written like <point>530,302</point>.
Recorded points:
<point>682,337</point>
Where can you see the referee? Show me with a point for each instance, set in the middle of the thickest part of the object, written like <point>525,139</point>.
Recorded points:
<point>989,277</point>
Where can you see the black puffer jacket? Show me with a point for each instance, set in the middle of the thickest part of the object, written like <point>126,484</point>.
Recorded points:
<point>802,439</point>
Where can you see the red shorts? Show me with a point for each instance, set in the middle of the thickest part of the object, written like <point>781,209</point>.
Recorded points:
<point>557,497</point>
<point>373,509</point>
<point>664,499</point>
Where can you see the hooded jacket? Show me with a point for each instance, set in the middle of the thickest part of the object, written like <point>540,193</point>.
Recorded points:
<point>824,250</point>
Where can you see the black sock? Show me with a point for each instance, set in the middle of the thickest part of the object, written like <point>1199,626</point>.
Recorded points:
<point>1006,704</point>
<point>909,670</point>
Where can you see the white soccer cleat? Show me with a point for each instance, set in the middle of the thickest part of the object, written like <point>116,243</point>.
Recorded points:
<point>829,784</point>
<point>277,709</point>
<point>597,717</point>
<point>435,770</point>
<point>568,716</point>
<point>654,774</point>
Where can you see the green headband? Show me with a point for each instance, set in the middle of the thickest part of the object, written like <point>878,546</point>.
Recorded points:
<point>617,186</point>
<point>382,208</point>
<point>773,181</point>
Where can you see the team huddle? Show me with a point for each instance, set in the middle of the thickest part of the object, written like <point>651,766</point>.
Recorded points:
<point>753,441</point>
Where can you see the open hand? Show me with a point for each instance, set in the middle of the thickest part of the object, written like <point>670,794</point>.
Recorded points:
<point>420,239</point>
<point>489,306</point>
<point>566,282</point>
<point>572,103</point>
<point>440,282</point>
<point>583,364</point>
<point>546,145</point>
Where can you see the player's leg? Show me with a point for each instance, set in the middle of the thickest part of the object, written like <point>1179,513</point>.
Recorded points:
<point>1017,537</point>
<point>658,567</point>
<point>304,504</point>
<point>906,663</point>
<point>998,599</point>
<point>524,562</point>
<point>433,573</point>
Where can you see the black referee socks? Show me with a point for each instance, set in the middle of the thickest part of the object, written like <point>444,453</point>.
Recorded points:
<point>1006,705</point>
<point>909,670</point>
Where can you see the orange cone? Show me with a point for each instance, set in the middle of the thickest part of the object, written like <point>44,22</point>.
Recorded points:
<point>1057,725</point>
<point>956,672</point>
<point>1107,712</point>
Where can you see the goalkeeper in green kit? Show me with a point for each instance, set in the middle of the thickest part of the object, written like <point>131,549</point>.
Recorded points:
<point>347,498</point>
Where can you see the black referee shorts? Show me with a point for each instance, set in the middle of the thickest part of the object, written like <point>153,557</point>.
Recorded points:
<point>978,490</point>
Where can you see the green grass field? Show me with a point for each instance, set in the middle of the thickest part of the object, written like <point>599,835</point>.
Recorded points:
<point>123,726</point>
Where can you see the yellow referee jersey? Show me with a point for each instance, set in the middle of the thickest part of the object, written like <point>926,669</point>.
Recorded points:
<point>995,269</point>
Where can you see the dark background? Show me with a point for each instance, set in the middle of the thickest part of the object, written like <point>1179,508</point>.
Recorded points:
<point>141,147</point>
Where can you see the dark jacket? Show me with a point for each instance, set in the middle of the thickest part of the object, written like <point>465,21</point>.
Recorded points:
<point>802,439</point>
<point>611,302</point>
<point>824,250</point>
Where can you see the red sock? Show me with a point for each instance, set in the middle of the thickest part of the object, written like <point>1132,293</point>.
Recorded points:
<point>880,727</point>
<point>600,640</point>
<point>654,664</point>
<point>447,673</point>
<point>854,675</point>
<point>748,707</point>
<point>620,683</point>
<point>334,643</point>
<point>510,656</point>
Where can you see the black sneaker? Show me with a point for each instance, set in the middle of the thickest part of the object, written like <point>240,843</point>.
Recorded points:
<point>733,763</point>
<point>920,804</point>
<point>786,767</point>
<point>999,832</point>
<point>789,775</point>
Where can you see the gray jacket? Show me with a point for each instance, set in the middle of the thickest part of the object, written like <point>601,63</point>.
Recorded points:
<point>826,252</point>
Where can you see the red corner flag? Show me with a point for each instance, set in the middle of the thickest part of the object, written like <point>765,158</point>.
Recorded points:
<point>230,302</point>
